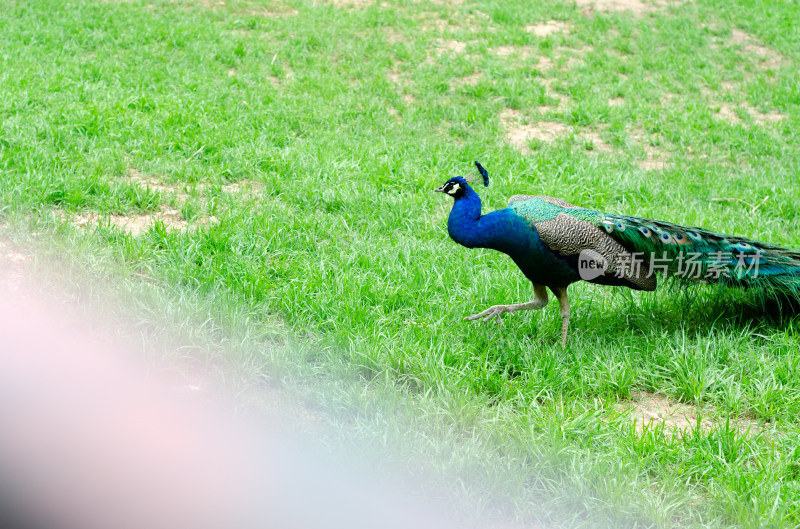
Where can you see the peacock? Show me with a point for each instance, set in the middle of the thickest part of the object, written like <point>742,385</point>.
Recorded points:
<point>555,243</point>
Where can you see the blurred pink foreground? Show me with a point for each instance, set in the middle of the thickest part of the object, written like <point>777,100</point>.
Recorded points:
<point>88,441</point>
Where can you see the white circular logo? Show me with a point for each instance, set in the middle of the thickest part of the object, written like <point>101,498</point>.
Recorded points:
<point>591,264</point>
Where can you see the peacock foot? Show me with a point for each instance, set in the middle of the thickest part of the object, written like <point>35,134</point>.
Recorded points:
<point>492,312</point>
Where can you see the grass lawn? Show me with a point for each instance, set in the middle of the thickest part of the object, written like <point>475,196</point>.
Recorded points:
<point>267,168</point>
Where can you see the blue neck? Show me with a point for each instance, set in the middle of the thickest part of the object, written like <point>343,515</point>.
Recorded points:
<point>500,230</point>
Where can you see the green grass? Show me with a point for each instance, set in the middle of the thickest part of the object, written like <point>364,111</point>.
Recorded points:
<point>343,120</point>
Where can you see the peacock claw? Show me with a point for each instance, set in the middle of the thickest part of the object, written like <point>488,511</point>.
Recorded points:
<point>492,312</point>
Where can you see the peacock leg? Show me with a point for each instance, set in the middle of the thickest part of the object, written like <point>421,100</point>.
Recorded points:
<point>563,309</point>
<point>539,301</point>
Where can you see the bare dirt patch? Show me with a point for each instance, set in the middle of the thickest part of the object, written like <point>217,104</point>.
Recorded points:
<point>651,410</point>
<point>520,134</point>
<point>655,159</point>
<point>764,119</point>
<point>352,3</point>
<point>648,410</point>
<point>767,57</point>
<point>474,22</point>
<point>616,102</point>
<point>637,7</point>
<point>544,64</point>
<point>393,36</point>
<point>522,52</point>
<point>13,264</point>
<point>153,184</point>
<point>572,57</point>
<point>561,100</point>
<point>170,217</point>
<point>595,143</point>
<point>395,78</point>
<point>180,192</point>
<point>548,28</point>
<point>727,113</point>
<point>273,11</point>
<point>469,80</point>
<point>454,46</point>
<point>134,224</point>
<point>668,98</point>
<point>442,47</point>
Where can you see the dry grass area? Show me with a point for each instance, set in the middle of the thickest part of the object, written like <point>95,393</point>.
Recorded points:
<point>521,129</point>
<point>547,28</point>
<point>12,266</point>
<point>352,3</point>
<point>637,7</point>
<point>768,58</point>
<point>649,410</point>
<point>520,132</point>
<point>468,80</point>
<point>731,113</point>
<point>136,224</point>
<point>171,217</point>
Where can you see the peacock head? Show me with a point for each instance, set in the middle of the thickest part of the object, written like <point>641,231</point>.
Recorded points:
<point>457,186</point>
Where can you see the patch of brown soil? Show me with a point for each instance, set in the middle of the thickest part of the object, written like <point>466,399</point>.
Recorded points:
<point>550,92</point>
<point>668,98</point>
<point>763,119</point>
<point>352,3</point>
<point>474,22</point>
<point>520,134</point>
<point>138,224</point>
<point>726,113</point>
<point>454,46</point>
<point>637,7</point>
<point>655,159</point>
<point>393,36</point>
<point>547,28</point>
<point>445,47</point>
<point>598,145</point>
<point>469,80</point>
<point>650,409</point>
<point>395,78</point>
<point>768,58</point>
<point>544,64</point>
<point>616,102</point>
<point>179,191</point>
<point>574,56</point>
<point>12,263</point>
<point>653,164</point>
<point>152,184</point>
<point>522,52</point>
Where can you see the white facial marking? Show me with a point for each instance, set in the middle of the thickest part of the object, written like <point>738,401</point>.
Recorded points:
<point>454,189</point>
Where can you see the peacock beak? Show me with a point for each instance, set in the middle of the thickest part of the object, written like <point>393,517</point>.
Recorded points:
<point>440,189</point>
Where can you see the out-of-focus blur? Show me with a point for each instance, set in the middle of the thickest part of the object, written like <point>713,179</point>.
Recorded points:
<point>88,440</point>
